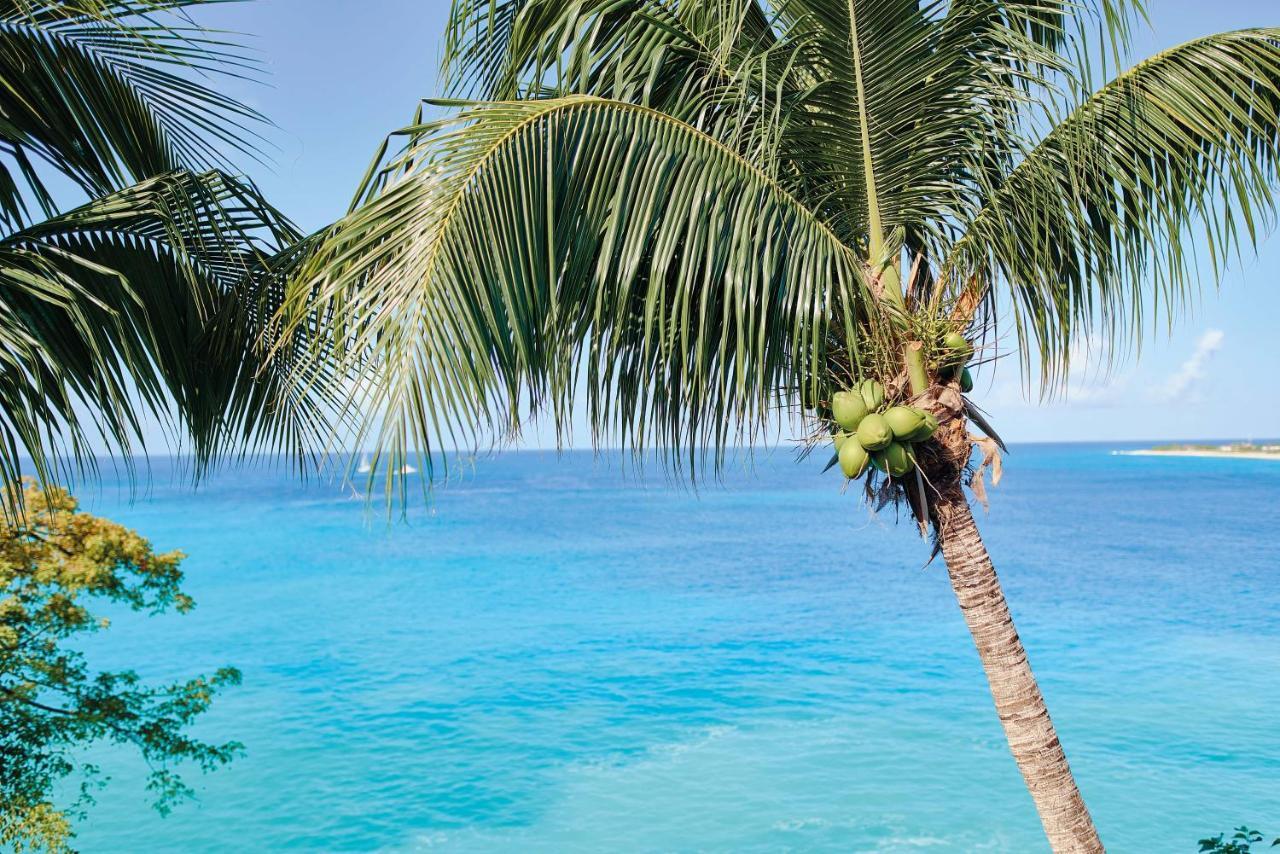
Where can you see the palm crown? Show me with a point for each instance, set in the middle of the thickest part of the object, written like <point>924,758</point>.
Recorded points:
<point>691,212</point>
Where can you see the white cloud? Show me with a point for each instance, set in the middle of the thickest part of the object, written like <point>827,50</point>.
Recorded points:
<point>1091,383</point>
<point>1099,394</point>
<point>1193,369</point>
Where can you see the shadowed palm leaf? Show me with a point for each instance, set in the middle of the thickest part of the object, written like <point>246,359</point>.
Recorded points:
<point>97,90</point>
<point>154,296</point>
<point>149,301</point>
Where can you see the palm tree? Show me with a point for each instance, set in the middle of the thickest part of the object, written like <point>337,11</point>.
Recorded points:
<point>695,216</point>
<point>146,295</point>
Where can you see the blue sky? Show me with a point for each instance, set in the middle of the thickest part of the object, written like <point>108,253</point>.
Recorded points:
<point>341,74</point>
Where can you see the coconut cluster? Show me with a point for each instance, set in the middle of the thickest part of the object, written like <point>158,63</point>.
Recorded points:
<point>870,435</point>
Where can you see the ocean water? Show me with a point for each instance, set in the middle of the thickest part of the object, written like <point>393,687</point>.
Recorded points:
<point>561,657</point>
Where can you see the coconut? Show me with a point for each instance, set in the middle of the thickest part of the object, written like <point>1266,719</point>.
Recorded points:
<point>840,437</point>
<point>853,458</point>
<point>897,459</point>
<point>872,394</point>
<point>874,433</point>
<point>966,381</point>
<point>926,430</point>
<point>959,350</point>
<point>848,408</point>
<point>904,420</point>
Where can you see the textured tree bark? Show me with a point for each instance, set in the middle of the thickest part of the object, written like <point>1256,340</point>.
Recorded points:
<point>1027,726</point>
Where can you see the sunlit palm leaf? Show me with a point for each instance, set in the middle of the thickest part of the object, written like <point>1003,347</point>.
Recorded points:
<point>477,40</point>
<point>522,251</point>
<point>716,65</point>
<point>1059,25</point>
<point>779,86</point>
<point>1092,231</point>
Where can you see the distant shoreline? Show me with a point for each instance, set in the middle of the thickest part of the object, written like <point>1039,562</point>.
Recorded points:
<point>1235,455</point>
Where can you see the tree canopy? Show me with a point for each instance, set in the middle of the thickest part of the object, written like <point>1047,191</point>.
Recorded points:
<point>689,217</point>
<point>56,565</point>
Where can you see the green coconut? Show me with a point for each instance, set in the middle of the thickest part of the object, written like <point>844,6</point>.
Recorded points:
<point>904,420</point>
<point>874,432</point>
<point>853,458</point>
<point>966,381</point>
<point>840,437</point>
<point>848,408</point>
<point>959,350</point>
<point>872,394</point>
<point>895,460</point>
<point>926,430</point>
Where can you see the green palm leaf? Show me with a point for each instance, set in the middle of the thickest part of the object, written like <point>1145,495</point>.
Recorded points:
<point>150,301</point>
<point>107,93</point>
<point>521,251</point>
<point>1092,230</point>
<point>781,87</point>
<point>717,66</point>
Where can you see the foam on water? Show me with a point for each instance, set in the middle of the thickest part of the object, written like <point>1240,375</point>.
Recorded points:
<point>561,658</point>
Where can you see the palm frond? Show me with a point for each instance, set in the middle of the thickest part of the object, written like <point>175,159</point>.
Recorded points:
<point>776,82</point>
<point>108,93</point>
<point>476,60</point>
<point>605,48</point>
<point>912,102</point>
<point>1093,229</point>
<point>149,302</point>
<point>520,252</point>
<point>716,65</point>
<point>1060,25</point>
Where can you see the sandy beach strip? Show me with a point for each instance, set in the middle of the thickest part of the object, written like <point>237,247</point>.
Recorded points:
<point>1243,455</point>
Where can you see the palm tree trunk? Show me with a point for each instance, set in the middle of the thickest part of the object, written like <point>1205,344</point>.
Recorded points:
<point>1027,726</point>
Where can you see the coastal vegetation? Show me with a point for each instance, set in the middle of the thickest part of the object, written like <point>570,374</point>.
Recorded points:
<point>684,221</point>
<point>1229,448</point>
<point>56,565</point>
<point>1240,842</point>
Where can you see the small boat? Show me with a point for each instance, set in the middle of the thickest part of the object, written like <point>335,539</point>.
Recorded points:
<point>407,469</point>
<point>365,466</point>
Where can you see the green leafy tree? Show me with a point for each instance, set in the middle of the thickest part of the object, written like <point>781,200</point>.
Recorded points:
<point>55,564</point>
<point>146,293</point>
<point>685,218</point>
<point>1241,842</point>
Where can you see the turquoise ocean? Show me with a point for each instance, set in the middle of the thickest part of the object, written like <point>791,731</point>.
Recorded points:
<point>560,655</point>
